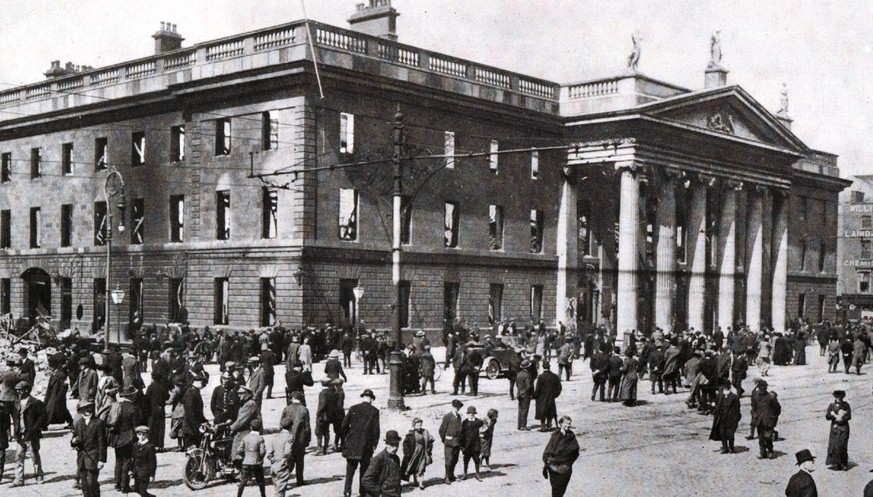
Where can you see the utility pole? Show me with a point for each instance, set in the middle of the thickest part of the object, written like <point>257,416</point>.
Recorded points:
<point>395,362</point>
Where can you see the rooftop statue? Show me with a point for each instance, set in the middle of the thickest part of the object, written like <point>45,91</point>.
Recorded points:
<point>633,59</point>
<point>715,50</point>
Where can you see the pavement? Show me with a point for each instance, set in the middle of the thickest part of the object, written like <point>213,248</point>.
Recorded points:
<point>658,448</point>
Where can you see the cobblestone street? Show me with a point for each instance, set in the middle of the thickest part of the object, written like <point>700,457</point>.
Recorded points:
<point>659,448</point>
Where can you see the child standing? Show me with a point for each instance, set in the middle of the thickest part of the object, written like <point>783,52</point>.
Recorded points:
<point>487,437</point>
<point>252,450</point>
<point>471,444</point>
<point>144,461</point>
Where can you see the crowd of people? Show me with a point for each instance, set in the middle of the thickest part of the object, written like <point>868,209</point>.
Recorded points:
<point>118,409</point>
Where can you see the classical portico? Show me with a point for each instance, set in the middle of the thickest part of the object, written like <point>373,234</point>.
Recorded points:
<point>706,215</point>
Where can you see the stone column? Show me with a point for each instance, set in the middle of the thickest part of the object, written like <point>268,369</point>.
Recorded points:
<point>567,235</point>
<point>755,258</point>
<point>665,257</point>
<point>728,263</point>
<point>628,247</point>
<point>780,262</point>
<point>697,263</point>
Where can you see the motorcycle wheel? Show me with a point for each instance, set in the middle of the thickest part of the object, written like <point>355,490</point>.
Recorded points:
<point>196,471</point>
<point>492,370</point>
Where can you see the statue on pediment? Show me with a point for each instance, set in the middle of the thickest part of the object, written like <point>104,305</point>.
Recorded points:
<point>633,59</point>
<point>715,50</point>
<point>783,111</point>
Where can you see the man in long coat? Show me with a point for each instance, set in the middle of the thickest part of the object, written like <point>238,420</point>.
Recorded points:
<point>360,436</point>
<point>122,423</point>
<point>56,395</point>
<point>193,403</point>
<point>450,434</point>
<point>89,439</point>
<point>726,418</point>
<point>295,379</point>
<point>295,419</point>
<point>87,383</point>
<point>839,413</point>
<point>548,389</point>
<point>29,418</point>
<point>157,394</point>
<point>524,384</point>
<point>769,410</point>
<point>225,401</point>
<point>248,411</point>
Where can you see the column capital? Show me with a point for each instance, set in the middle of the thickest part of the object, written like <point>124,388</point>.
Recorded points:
<point>732,184</point>
<point>633,167</point>
<point>665,176</point>
<point>763,190</point>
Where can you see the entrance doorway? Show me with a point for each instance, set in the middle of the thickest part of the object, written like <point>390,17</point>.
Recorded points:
<point>37,294</point>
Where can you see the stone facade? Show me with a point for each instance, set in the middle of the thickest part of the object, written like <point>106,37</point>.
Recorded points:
<point>626,201</point>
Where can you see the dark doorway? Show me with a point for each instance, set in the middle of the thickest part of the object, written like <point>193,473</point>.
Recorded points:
<point>37,294</point>
<point>348,302</point>
<point>66,303</point>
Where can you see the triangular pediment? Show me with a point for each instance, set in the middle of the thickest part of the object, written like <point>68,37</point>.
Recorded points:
<point>729,111</point>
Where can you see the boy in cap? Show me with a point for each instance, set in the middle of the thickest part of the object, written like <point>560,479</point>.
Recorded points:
<point>89,440</point>
<point>383,475</point>
<point>801,483</point>
<point>471,444</point>
<point>252,451</point>
<point>144,461</point>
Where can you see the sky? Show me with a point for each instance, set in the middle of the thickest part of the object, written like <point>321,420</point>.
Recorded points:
<point>820,49</point>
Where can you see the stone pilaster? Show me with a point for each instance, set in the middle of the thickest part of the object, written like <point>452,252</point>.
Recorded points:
<point>697,250</point>
<point>665,257</point>
<point>780,262</point>
<point>628,247</point>
<point>728,261</point>
<point>755,258</point>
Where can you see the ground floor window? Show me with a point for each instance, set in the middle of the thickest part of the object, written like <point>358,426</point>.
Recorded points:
<point>405,290</point>
<point>5,296</point>
<point>348,301</point>
<point>176,308</point>
<point>536,303</point>
<point>66,303</point>
<point>451,292</point>
<point>99,303</point>
<point>222,291</point>
<point>268,301</point>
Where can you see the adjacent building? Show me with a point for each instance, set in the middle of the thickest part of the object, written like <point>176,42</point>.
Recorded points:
<point>855,242</point>
<point>249,199</point>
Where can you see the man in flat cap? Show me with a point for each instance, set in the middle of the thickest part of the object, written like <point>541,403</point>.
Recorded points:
<point>257,382</point>
<point>295,379</point>
<point>248,412</point>
<point>360,436</point>
<point>839,413</point>
<point>801,483</point>
<point>89,440</point>
<point>29,418</point>
<point>26,368</point>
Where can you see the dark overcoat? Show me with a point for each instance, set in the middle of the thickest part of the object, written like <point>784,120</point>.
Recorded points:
<point>547,390</point>
<point>360,431</point>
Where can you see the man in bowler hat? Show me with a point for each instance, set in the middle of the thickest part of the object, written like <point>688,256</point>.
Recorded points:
<point>360,431</point>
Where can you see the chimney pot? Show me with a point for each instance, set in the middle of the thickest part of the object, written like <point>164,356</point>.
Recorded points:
<point>174,28</point>
<point>377,19</point>
<point>162,25</point>
<point>167,39</point>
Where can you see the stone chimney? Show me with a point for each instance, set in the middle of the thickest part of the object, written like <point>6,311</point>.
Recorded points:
<point>167,39</point>
<point>56,71</point>
<point>377,19</point>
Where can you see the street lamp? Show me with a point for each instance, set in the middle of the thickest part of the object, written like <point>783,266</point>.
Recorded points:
<point>358,292</point>
<point>113,186</point>
<point>117,299</point>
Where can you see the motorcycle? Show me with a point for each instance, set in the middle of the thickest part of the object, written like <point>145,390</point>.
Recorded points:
<point>211,459</point>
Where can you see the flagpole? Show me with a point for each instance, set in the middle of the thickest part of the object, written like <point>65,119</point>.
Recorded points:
<point>312,49</point>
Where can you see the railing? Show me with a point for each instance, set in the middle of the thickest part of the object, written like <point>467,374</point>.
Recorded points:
<point>537,89</point>
<point>593,89</point>
<point>10,98</point>
<point>106,77</point>
<point>71,83</point>
<point>36,92</point>
<point>224,50</point>
<point>331,37</point>
<point>142,70</point>
<point>447,66</point>
<point>492,77</point>
<point>327,38</point>
<point>180,61</point>
<point>274,39</point>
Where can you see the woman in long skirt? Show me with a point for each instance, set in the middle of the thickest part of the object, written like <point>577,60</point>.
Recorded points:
<point>839,413</point>
<point>417,453</point>
<point>629,379</point>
